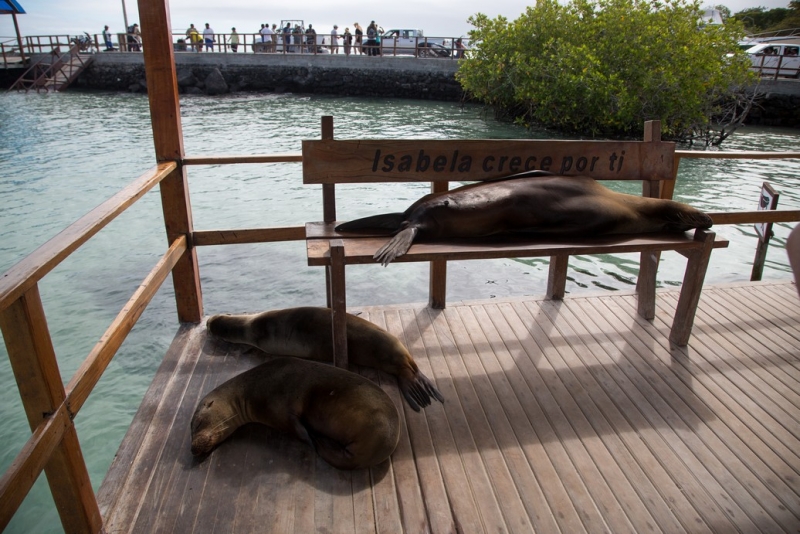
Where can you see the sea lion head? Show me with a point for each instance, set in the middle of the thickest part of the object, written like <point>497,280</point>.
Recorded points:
<point>213,421</point>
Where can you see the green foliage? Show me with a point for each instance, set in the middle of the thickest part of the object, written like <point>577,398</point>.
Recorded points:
<point>603,67</point>
<point>759,19</point>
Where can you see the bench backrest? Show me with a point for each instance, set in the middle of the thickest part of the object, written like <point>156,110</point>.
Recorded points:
<point>328,161</point>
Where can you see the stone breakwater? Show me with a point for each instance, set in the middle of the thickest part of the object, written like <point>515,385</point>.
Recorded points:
<point>778,103</point>
<point>213,74</point>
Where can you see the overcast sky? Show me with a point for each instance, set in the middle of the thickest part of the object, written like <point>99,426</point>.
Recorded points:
<point>438,18</point>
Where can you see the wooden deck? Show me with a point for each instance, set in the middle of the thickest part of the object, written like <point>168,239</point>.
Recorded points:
<point>559,417</point>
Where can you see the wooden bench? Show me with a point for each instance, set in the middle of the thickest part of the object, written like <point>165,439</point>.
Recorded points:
<point>329,162</point>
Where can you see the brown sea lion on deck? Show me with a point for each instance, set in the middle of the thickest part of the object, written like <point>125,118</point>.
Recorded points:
<point>305,332</point>
<point>349,420</point>
<point>533,203</point>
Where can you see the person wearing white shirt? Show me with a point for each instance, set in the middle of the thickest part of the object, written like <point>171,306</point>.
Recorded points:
<point>335,40</point>
<point>267,34</point>
<point>208,37</point>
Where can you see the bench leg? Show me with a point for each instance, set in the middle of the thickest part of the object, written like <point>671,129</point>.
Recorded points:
<point>438,289</point>
<point>557,277</point>
<point>338,302</point>
<point>328,287</point>
<point>646,284</point>
<point>689,298</point>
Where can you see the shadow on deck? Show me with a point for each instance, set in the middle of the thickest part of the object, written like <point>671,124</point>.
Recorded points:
<point>559,417</point>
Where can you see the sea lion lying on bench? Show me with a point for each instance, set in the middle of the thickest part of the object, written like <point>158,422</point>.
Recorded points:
<point>348,420</point>
<point>532,203</point>
<point>305,332</point>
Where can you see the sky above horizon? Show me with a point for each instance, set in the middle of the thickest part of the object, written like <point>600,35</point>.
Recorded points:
<point>437,19</point>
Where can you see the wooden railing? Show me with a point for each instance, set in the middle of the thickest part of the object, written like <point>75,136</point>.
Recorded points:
<point>56,74</point>
<point>780,69</point>
<point>10,53</point>
<point>50,406</point>
<point>251,42</point>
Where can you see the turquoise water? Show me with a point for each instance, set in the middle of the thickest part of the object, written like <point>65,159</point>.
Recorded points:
<point>62,154</point>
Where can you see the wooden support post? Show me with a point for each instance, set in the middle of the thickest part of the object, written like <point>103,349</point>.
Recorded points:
<point>328,201</point>
<point>437,294</point>
<point>648,261</point>
<point>760,258</point>
<point>328,190</point>
<point>689,298</point>
<point>338,300</point>
<point>768,200</point>
<point>33,361</point>
<point>162,90</point>
<point>557,277</point>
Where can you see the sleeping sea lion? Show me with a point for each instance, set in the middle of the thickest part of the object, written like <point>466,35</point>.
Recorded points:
<point>305,332</point>
<point>350,421</point>
<point>537,204</point>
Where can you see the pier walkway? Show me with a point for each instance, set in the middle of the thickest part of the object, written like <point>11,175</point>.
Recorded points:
<point>559,417</point>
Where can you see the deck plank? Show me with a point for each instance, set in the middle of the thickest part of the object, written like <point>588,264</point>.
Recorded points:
<point>738,484</point>
<point>559,416</point>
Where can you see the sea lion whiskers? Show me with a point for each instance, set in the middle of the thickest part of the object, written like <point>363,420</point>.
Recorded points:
<point>223,423</point>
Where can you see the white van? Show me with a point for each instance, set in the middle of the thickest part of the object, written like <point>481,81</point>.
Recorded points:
<point>769,57</point>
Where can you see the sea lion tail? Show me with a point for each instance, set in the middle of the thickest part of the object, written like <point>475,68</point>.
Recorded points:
<point>396,246</point>
<point>384,224</point>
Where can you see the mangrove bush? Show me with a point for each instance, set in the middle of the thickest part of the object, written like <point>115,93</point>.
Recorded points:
<point>603,67</point>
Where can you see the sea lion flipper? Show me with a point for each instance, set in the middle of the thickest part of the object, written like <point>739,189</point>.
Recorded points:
<point>302,432</point>
<point>430,388</point>
<point>418,391</point>
<point>396,246</point>
<point>383,224</point>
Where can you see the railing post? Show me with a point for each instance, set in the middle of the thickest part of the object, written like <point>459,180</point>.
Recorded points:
<point>437,295</point>
<point>162,89</point>
<point>33,361</point>
<point>648,261</point>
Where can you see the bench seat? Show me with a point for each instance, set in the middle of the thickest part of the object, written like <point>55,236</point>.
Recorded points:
<point>359,249</point>
<point>333,250</point>
<point>330,163</point>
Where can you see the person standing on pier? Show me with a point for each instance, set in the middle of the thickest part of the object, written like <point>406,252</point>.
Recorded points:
<point>311,39</point>
<point>234,40</point>
<point>372,33</point>
<point>359,37</point>
<point>335,40</point>
<point>347,39</point>
<point>208,37</point>
<point>107,39</point>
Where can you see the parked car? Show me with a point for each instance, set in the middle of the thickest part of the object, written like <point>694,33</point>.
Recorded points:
<point>771,57</point>
<point>412,42</point>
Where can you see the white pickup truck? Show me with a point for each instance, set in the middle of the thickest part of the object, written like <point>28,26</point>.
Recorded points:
<point>769,57</point>
<point>412,42</point>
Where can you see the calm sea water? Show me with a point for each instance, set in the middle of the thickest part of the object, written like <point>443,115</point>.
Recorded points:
<point>62,154</point>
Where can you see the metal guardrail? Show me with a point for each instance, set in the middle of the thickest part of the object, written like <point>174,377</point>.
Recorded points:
<point>780,70</point>
<point>424,47</point>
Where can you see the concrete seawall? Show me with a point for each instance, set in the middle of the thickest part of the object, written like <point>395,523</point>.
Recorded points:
<point>405,77</point>
<point>356,75</point>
